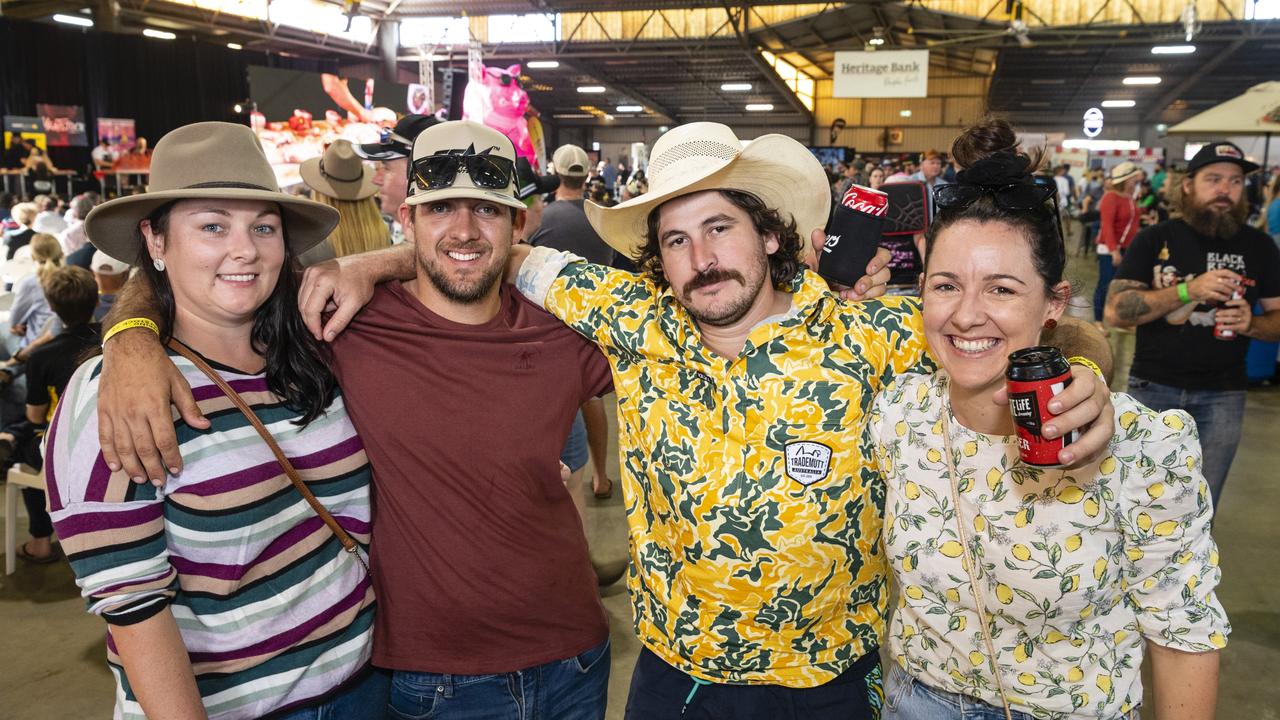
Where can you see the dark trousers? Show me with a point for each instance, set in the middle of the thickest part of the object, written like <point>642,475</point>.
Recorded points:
<point>661,692</point>
<point>1106,271</point>
<point>26,449</point>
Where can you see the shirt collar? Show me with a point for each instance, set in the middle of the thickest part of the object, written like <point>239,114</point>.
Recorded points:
<point>811,301</point>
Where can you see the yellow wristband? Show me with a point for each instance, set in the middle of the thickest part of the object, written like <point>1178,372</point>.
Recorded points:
<point>129,325</point>
<point>1081,360</point>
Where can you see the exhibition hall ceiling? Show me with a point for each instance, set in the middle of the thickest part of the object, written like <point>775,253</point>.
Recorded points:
<point>688,60</point>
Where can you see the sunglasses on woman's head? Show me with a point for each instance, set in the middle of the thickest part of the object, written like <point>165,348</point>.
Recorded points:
<point>441,170</point>
<point>1017,197</point>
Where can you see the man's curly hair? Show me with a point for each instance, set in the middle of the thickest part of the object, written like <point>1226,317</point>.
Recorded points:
<point>783,264</point>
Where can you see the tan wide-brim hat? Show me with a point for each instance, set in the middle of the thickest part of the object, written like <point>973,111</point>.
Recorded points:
<point>699,156</point>
<point>207,160</point>
<point>461,138</point>
<point>340,173</point>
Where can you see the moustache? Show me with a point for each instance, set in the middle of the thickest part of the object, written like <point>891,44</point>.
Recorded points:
<point>711,277</point>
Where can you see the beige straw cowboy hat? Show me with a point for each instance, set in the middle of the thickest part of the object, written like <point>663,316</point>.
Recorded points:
<point>214,160</point>
<point>1122,172</point>
<point>340,174</point>
<point>708,156</point>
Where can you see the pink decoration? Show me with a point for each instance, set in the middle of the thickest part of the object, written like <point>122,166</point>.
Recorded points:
<point>500,105</point>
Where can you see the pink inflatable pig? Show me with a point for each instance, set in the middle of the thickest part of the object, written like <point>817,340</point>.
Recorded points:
<point>494,97</point>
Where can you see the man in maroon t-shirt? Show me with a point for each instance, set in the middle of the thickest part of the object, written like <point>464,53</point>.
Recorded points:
<point>463,393</point>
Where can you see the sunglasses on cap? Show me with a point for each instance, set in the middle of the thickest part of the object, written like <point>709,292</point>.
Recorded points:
<point>438,171</point>
<point>1017,197</point>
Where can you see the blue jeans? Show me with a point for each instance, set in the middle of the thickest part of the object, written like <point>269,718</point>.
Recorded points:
<point>571,689</point>
<point>906,698</point>
<point>1217,414</point>
<point>575,454</point>
<point>1106,271</point>
<point>366,700</point>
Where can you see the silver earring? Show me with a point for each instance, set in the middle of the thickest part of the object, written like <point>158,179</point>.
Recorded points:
<point>159,264</point>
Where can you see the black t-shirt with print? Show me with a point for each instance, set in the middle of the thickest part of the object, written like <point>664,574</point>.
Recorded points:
<point>1183,352</point>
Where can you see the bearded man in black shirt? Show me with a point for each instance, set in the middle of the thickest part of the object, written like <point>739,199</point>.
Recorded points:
<point>1189,285</point>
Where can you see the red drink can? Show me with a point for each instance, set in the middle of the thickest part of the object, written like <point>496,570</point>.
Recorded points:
<point>1222,333</point>
<point>853,235</point>
<point>1034,376</point>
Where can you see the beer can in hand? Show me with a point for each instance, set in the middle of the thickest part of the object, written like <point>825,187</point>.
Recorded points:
<point>853,235</point>
<point>1220,332</point>
<point>1034,376</point>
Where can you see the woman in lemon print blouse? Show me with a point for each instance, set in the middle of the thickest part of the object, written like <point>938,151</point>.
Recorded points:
<point>1077,573</point>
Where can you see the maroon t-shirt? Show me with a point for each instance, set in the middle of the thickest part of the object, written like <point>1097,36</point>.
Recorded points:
<point>479,559</point>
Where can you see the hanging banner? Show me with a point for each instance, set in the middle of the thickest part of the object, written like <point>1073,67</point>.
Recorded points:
<point>22,124</point>
<point>119,133</point>
<point>63,124</point>
<point>881,74</point>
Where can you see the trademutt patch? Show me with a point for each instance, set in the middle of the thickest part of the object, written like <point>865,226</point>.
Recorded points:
<point>808,462</point>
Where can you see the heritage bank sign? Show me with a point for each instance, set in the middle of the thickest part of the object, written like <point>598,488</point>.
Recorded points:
<point>881,74</point>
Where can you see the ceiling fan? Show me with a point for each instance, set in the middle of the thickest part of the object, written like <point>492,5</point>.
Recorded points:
<point>1017,28</point>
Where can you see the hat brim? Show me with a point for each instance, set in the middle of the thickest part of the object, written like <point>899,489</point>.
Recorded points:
<point>1244,165</point>
<point>777,169</point>
<point>1122,178</point>
<point>379,151</point>
<point>112,227</point>
<point>318,181</point>
<point>541,185</point>
<point>465,192</point>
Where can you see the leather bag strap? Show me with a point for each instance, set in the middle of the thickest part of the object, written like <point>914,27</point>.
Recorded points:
<point>348,543</point>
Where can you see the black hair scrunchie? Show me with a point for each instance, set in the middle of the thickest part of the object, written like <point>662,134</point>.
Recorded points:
<point>998,169</point>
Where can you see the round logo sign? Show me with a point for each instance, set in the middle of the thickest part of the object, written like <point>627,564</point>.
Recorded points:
<point>1093,122</point>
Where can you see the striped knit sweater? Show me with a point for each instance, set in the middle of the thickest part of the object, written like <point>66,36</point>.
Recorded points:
<point>272,610</point>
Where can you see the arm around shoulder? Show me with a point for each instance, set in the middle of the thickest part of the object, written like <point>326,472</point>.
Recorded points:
<point>588,298</point>
<point>139,381</point>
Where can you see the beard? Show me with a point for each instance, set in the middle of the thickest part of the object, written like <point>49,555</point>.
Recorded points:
<point>1211,220</point>
<point>465,291</point>
<point>735,308</point>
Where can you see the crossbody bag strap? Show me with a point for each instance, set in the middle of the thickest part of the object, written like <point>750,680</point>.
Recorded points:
<point>348,543</point>
<point>978,597</point>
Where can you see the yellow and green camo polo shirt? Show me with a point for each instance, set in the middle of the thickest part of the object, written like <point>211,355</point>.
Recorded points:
<point>754,505</point>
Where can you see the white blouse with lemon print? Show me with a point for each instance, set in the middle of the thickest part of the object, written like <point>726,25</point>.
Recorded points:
<point>1077,568</point>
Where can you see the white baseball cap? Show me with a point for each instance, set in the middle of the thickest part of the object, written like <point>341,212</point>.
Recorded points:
<point>104,264</point>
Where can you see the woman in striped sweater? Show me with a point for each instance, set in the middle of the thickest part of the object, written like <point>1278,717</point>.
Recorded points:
<point>225,595</point>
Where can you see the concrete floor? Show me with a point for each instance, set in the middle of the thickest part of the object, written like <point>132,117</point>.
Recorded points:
<point>52,668</point>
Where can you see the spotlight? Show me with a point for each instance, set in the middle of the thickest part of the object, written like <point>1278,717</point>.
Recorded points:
<point>245,106</point>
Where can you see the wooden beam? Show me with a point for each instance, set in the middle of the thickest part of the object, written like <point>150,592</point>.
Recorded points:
<point>589,69</point>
